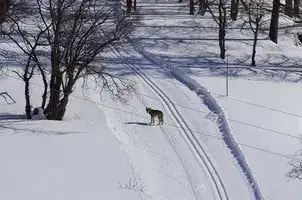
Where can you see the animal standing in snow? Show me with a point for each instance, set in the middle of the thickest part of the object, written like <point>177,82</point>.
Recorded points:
<point>155,113</point>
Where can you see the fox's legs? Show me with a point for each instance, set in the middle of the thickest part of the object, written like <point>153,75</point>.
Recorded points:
<point>152,120</point>
<point>160,120</point>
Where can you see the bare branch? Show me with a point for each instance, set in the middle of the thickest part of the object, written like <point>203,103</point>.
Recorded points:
<point>4,94</point>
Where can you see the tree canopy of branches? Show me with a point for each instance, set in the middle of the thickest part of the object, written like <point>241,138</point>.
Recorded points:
<point>27,41</point>
<point>295,171</point>
<point>5,95</point>
<point>70,37</point>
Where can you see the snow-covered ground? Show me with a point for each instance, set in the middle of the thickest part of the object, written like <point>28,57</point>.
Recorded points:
<point>106,149</point>
<point>264,114</point>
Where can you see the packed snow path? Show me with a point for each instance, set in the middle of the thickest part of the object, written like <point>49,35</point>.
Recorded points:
<point>192,141</point>
<point>157,9</point>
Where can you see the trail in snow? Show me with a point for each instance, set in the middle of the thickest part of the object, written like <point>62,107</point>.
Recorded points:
<point>216,109</point>
<point>213,106</point>
<point>190,137</point>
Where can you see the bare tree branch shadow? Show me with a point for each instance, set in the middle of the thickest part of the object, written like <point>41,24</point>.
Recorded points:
<point>33,132</point>
<point>15,123</point>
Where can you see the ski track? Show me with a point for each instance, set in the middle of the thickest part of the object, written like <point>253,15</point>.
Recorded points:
<point>202,157</point>
<point>213,105</point>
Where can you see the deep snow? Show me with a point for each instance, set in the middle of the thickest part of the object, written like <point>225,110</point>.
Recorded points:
<point>105,149</point>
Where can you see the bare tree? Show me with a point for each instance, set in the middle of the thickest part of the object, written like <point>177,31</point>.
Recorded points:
<point>16,29</point>
<point>5,95</point>
<point>256,13</point>
<point>64,43</point>
<point>295,171</point>
<point>273,32</point>
<point>28,47</point>
<point>221,21</point>
<point>80,30</point>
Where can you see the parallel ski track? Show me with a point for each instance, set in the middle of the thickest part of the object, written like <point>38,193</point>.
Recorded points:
<point>191,137</point>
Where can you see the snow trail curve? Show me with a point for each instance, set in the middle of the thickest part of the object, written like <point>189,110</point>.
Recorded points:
<point>202,156</point>
<point>213,105</point>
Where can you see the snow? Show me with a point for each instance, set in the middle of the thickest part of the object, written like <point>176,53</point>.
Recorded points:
<point>269,169</point>
<point>211,146</point>
<point>69,160</point>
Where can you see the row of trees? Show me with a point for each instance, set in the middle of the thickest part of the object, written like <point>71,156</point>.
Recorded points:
<point>62,41</point>
<point>252,13</point>
<point>292,10</point>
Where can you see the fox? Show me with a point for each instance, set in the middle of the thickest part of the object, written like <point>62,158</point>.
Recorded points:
<point>155,113</point>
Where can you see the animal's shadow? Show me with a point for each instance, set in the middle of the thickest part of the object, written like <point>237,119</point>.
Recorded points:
<point>141,123</point>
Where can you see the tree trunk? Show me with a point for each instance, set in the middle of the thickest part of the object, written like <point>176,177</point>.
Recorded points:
<point>273,32</point>
<point>27,99</point>
<point>289,8</point>
<point>54,99</point>
<point>222,23</point>
<point>44,96</point>
<point>254,47</point>
<point>129,4</point>
<point>134,5</point>
<point>62,107</point>
<point>54,85</point>
<point>4,6</point>
<point>296,8</point>
<point>234,9</point>
<point>58,106</point>
<point>26,78</point>
<point>222,42</point>
<point>202,7</point>
<point>191,7</point>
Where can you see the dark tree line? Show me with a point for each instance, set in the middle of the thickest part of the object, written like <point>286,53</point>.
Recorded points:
<point>131,4</point>
<point>219,12</point>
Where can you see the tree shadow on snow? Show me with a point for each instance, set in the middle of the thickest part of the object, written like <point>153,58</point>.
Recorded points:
<point>6,116</point>
<point>31,131</point>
